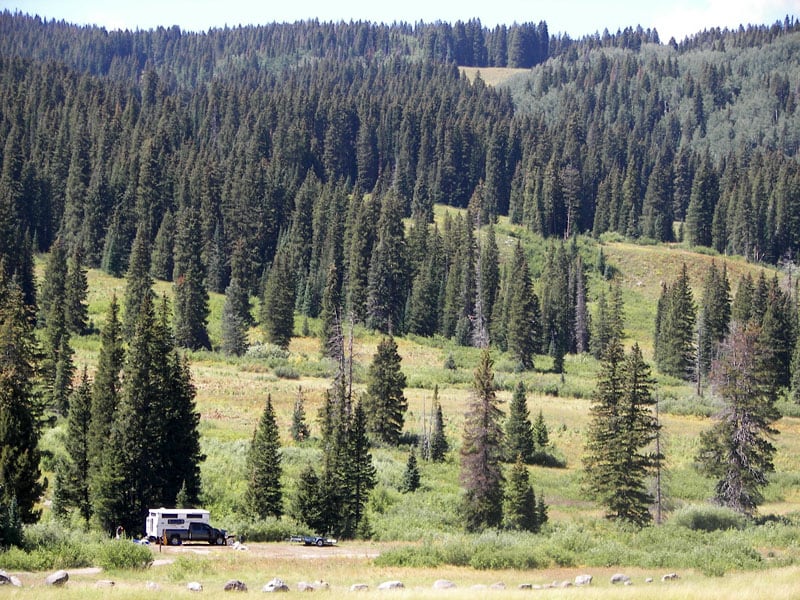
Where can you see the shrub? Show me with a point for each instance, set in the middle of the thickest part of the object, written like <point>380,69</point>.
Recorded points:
<point>708,518</point>
<point>123,554</point>
<point>286,372</point>
<point>268,530</point>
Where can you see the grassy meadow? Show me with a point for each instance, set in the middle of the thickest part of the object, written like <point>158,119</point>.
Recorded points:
<point>418,537</point>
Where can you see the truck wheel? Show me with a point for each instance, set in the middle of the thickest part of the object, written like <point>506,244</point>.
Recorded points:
<point>220,540</point>
<point>175,540</point>
<point>320,542</point>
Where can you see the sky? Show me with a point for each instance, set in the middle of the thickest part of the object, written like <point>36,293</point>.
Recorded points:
<point>675,18</point>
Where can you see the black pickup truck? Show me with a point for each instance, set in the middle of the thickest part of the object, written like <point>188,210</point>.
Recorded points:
<point>196,532</point>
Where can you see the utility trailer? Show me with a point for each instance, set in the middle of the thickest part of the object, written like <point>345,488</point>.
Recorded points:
<point>175,526</point>
<point>313,540</point>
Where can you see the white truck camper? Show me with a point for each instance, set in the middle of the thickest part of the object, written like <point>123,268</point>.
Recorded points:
<point>177,525</point>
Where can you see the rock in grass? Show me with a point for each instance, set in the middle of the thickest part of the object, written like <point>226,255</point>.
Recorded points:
<point>6,579</point>
<point>391,585</point>
<point>443,584</point>
<point>620,578</point>
<point>359,587</point>
<point>234,585</point>
<point>194,586</point>
<point>276,585</point>
<point>670,577</point>
<point>58,578</point>
<point>583,580</point>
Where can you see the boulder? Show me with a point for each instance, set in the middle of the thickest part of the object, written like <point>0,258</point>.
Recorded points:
<point>6,579</point>
<point>498,586</point>
<point>583,580</point>
<point>565,584</point>
<point>152,586</point>
<point>620,578</point>
<point>194,586</point>
<point>391,585</point>
<point>525,586</point>
<point>304,586</point>
<point>648,580</point>
<point>234,585</point>
<point>276,585</point>
<point>359,587</point>
<point>670,577</point>
<point>104,583</point>
<point>443,584</point>
<point>57,578</point>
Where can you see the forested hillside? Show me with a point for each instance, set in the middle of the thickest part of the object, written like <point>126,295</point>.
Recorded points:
<point>351,175</point>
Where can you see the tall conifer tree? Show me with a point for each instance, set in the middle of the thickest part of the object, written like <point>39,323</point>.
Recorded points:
<point>385,403</point>
<point>19,430</point>
<point>481,451</point>
<point>264,495</point>
<point>191,295</point>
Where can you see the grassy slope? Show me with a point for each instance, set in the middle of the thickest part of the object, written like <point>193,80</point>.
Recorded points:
<point>231,394</point>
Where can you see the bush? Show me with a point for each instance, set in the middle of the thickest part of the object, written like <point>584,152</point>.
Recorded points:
<point>708,518</point>
<point>123,554</point>
<point>286,372</point>
<point>267,530</point>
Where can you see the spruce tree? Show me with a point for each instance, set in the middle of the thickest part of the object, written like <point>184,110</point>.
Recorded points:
<point>233,322</point>
<point>541,436</point>
<point>191,295</point>
<point>518,432</point>
<point>617,461</point>
<point>360,472</point>
<point>264,495</point>
<point>481,452</point>
<point>72,478</point>
<point>411,475</point>
<point>384,401</point>
<point>736,451</point>
<point>387,279</point>
<point>300,431</point>
<point>76,290</point>
<point>105,393</point>
<point>523,327</point>
<point>519,505</point>
<point>558,312</point>
<point>307,505</point>
<point>715,315</point>
<point>674,333</point>
<point>437,445</point>
<point>277,308</point>
<point>331,332</point>
<point>138,282</point>
<point>162,263</point>
<point>19,429</point>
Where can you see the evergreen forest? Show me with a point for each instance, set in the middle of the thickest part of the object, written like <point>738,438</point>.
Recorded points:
<point>399,235</point>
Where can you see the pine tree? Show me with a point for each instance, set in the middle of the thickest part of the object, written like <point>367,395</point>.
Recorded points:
<point>437,446</point>
<point>523,328</point>
<point>385,403</point>
<point>558,312</point>
<point>715,315</point>
<point>308,506</point>
<point>541,435</point>
<point>736,451</point>
<point>277,308</point>
<point>674,333</point>
<point>518,432</point>
<point>481,452</point>
<point>300,431</point>
<point>72,482</point>
<point>264,495</point>
<point>233,322</point>
<point>189,274</point>
<point>19,430</point>
<point>617,461</point>
<point>387,280</point>
<point>411,475</point>
<point>331,332</point>
<point>162,263</point>
<point>519,506</point>
<point>76,290</point>
<point>138,282</point>
<point>105,393</point>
